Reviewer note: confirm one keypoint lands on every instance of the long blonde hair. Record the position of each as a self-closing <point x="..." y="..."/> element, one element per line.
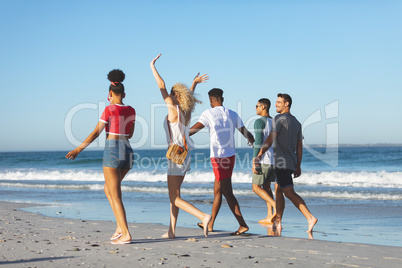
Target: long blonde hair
<point x="185" y="97"/>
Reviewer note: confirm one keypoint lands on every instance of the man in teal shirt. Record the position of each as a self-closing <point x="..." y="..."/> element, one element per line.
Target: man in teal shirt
<point x="263" y="177"/>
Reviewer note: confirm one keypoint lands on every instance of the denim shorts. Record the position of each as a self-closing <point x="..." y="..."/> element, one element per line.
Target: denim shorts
<point x="118" y="154"/>
<point x="179" y="170"/>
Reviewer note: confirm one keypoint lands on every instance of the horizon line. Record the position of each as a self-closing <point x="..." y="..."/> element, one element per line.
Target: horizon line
<point x="310" y="145"/>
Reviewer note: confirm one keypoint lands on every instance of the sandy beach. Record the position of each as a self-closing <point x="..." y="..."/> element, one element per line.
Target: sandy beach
<point x="33" y="240"/>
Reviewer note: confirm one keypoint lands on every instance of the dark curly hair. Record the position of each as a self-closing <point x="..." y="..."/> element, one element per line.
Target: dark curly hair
<point x="116" y="77"/>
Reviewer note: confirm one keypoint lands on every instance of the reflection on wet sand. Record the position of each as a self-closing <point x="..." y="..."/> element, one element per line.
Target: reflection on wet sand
<point x="272" y="231"/>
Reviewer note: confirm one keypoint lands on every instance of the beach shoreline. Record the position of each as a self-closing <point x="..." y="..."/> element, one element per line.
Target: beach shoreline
<point x="33" y="240"/>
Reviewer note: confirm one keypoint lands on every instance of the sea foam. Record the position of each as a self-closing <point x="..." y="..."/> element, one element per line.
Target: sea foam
<point x="378" y="179"/>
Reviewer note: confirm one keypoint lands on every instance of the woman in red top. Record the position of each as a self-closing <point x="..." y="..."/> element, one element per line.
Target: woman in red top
<point x="118" y="119"/>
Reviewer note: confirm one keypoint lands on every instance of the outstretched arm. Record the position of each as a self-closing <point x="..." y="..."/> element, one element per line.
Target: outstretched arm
<point x="247" y="134"/>
<point x="97" y="131"/>
<point x="199" y="79"/>
<point x="197" y="127"/>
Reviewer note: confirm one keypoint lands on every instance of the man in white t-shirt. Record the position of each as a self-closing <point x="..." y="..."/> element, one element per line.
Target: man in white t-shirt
<point x="222" y="123"/>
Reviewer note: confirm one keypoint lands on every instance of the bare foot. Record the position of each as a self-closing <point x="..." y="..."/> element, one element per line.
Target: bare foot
<point x="273" y="218"/>
<point x="201" y="225"/>
<point x="278" y="232"/>
<point x="265" y="221"/>
<point x="310" y="235"/>
<point x="205" y="223"/>
<point x="311" y="224"/>
<point x="210" y="228"/>
<point x="168" y="236"/>
<point x="242" y="229"/>
<point x="269" y="219"/>
<point x="277" y="226"/>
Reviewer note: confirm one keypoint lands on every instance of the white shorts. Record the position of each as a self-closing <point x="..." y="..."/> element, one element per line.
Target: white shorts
<point x="179" y="170"/>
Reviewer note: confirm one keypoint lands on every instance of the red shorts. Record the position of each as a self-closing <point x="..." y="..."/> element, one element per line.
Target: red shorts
<point x="223" y="167"/>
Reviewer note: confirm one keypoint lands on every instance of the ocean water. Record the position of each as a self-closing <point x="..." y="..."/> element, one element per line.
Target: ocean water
<point x="355" y="192"/>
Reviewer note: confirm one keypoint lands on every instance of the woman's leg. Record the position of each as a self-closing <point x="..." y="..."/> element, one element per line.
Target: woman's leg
<point x="174" y="184"/>
<point x="174" y="210"/>
<point x="118" y="231"/>
<point x="113" y="178"/>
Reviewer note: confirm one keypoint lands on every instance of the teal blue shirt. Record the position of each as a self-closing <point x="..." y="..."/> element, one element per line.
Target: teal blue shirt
<point x="259" y="126"/>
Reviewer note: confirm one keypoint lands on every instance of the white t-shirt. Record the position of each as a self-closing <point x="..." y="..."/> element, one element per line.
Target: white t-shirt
<point x="268" y="156"/>
<point x="221" y="123"/>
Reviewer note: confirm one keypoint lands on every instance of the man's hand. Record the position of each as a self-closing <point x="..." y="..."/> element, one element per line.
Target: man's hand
<point x="297" y="172"/>
<point x="256" y="167"/>
<point x="250" y="141"/>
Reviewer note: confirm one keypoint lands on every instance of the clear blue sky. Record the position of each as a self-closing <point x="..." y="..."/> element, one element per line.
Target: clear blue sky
<point x="55" y="55"/>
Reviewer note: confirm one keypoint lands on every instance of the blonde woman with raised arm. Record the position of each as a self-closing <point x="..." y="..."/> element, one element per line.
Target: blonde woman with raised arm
<point x="180" y="103"/>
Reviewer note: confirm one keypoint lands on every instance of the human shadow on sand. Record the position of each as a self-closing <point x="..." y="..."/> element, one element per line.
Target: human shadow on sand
<point x="35" y="260"/>
<point x="190" y="238"/>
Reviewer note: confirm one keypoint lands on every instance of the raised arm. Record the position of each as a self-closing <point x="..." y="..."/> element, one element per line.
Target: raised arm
<point x="199" y="79"/>
<point x="247" y="134"/>
<point x="165" y="95"/>
<point x="159" y="80"/>
<point x="97" y="131"/>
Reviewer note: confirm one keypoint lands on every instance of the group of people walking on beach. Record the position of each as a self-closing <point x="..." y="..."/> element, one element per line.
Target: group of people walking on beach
<point x="277" y="153"/>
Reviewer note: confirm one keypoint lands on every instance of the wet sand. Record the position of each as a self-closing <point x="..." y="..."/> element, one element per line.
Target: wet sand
<point x="33" y="240"/>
